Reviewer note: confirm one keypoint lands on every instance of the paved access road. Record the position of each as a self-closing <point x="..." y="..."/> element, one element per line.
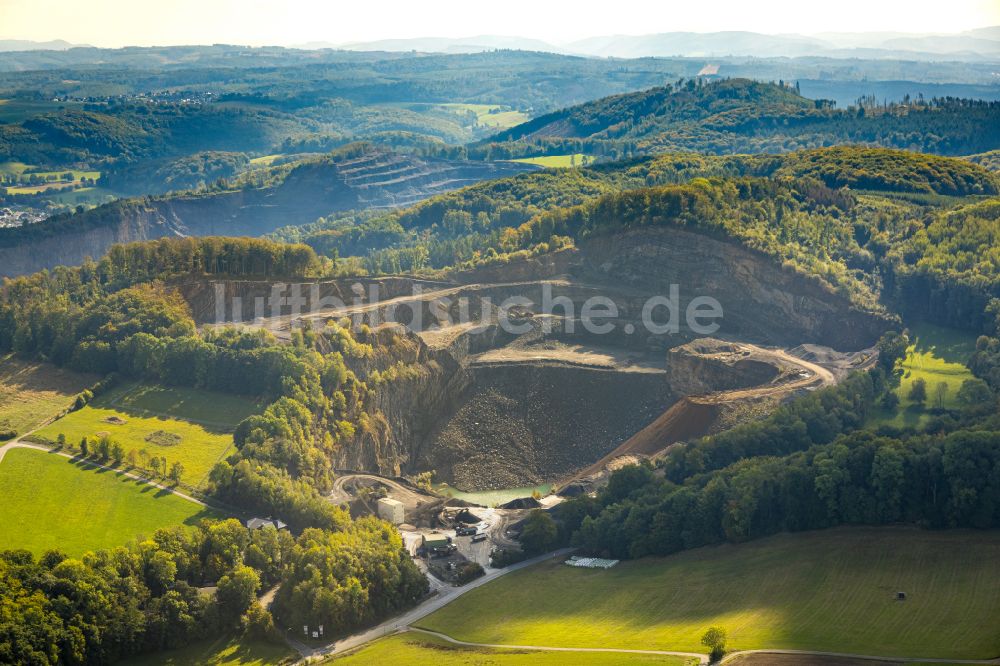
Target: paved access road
<point x="444" y="596"/>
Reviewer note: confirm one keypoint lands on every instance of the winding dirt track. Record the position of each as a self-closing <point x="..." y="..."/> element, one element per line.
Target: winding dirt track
<point x="702" y="659"/>
<point x="692" y="416"/>
<point x="338" y="495"/>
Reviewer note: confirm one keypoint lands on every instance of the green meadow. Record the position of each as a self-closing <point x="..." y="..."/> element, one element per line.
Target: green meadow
<point x="183" y="425"/>
<point x="52" y="502"/>
<point x="833" y="590"/>
<point x="32" y="392"/>
<point x="938" y="356"/>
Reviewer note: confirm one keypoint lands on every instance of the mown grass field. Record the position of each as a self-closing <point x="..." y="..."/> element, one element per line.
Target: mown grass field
<point x="937" y="355"/>
<point x="137" y="415"/>
<point x="51" y="502"/>
<point x="32" y="392"/>
<point x="832" y="590"/>
<point x="416" y="649"/>
<point x="558" y="161"/>
<point x="225" y="651"/>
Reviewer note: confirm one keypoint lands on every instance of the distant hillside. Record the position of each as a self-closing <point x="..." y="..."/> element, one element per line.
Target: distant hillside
<point x="740" y="115"/>
<point x="354" y="178"/>
<point x="839" y="213"/>
<point x="139" y="131"/>
<point x="28" y="45"/>
<point x="982" y="43"/>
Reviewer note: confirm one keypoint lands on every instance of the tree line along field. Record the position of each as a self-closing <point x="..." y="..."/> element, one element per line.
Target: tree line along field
<point x="418" y="649"/>
<point x="833" y="590"/>
<point x="53" y="502"/>
<point x="187" y="426"/>
<point x="32" y="392"/>
<point x="938" y="356"/>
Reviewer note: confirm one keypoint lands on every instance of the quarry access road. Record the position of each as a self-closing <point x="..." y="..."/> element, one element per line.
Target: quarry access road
<point x="819" y="377"/>
<point x="281" y="325"/>
<point x="691" y="416"/>
<point x="702" y="659"/>
<point x="401" y="622"/>
<point x="338" y="495"/>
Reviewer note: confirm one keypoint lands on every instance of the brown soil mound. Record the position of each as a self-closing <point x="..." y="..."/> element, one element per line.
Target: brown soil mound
<point x="687" y="419"/>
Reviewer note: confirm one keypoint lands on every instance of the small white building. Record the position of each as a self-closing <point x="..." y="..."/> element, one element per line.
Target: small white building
<point x="391" y="510"/>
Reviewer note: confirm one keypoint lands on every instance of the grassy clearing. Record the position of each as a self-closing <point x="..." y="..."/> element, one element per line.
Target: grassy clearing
<point x="415" y="649"/>
<point x="226" y="651"/>
<point x="15" y="168"/>
<point x="489" y="115"/>
<point x="206" y="407"/>
<point x="265" y="160"/>
<point x="832" y="590"/>
<point x="937" y="355"/>
<point x="558" y="161"/>
<point x="188" y="426"/>
<point x="85" y="195"/>
<point x="51" y="502"/>
<point x="32" y="392"/>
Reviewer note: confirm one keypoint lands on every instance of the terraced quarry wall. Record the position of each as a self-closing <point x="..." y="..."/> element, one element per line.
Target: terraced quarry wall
<point x="373" y="180"/>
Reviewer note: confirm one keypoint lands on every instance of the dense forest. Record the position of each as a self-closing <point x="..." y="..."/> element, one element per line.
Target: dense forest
<point x="145" y="597"/>
<point x="125" y="133"/>
<point x="744" y="116"/>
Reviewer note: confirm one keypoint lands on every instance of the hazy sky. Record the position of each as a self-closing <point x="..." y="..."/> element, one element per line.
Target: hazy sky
<point x="283" y="22"/>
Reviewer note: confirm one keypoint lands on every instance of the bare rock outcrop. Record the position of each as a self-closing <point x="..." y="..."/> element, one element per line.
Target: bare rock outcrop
<point x="375" y="179"/>
<point x="761" y="300"/>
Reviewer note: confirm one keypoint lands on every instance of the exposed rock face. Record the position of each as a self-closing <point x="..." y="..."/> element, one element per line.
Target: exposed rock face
<point x="707" y="365"/>
<point x="374" y="180"/>
<point x="760" y="300"/>
<point x="524" y="423"/>
<point x="494" y="409"/>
